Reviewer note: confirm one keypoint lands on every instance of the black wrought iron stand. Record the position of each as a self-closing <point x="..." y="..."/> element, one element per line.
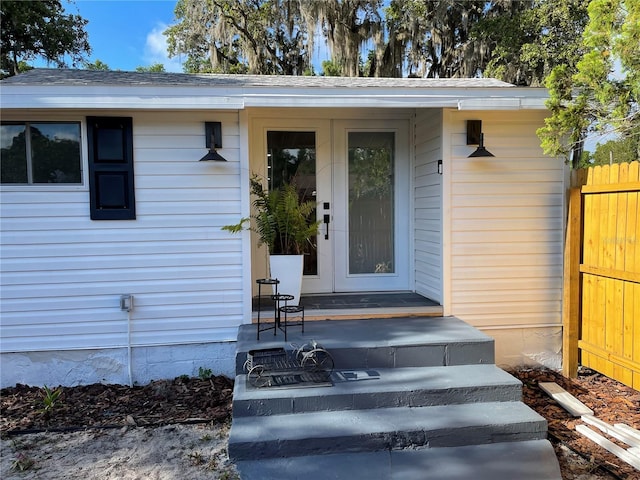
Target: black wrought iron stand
<point x="278" y="309"/>
<point x="261" y="282"/>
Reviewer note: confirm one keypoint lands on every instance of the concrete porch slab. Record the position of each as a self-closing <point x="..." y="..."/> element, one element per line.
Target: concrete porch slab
<point x="381" y="343"/>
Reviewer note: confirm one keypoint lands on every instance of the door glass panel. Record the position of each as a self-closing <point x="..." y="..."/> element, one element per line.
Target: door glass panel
<point x="291" y="157"/>
<point x="371" y="202"/>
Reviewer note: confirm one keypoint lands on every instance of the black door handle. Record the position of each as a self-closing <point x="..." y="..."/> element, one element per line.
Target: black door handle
<point x="327" y="220"/>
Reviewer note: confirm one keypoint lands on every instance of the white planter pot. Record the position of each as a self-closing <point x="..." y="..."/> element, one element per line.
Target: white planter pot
<point x="288" y="270"/>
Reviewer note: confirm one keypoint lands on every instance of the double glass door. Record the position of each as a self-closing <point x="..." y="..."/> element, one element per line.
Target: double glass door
<point x="357" y="174"/>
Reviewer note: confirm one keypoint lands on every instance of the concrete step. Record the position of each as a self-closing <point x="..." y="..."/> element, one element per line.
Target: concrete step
<point x="382" y="388"/>
<point x="526" y="460"/>
<point x="381" y="343"/>
<point x="319" y="433"/>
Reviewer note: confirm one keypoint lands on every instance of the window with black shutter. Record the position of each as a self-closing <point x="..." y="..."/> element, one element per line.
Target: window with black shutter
<point x="111" y="184"/>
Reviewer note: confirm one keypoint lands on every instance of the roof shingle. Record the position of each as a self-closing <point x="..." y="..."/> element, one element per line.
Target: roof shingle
<point x="68" y="77"/>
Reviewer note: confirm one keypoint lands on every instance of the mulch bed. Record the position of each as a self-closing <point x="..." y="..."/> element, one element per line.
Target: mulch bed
<point x="610" y="401"/>
<point x="182" y="400"/>
<point x="194" y="400"/>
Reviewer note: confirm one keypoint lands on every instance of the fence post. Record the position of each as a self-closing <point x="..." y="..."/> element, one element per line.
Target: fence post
<point x="571" y="291"/>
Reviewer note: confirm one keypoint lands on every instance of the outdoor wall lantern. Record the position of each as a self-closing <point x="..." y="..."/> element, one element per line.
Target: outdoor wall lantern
<point x="213" y="140"/>
<point x="476" y="137"/>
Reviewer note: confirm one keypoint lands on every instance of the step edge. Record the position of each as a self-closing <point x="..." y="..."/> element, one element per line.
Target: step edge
<point x="445" y="437"/>
<point x="526" y="415"/>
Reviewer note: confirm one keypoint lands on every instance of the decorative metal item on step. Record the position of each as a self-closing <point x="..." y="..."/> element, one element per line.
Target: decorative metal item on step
<point x="307" y="366"/>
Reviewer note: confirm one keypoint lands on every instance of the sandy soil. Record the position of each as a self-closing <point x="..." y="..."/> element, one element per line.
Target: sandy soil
<point x="171" y="452"/>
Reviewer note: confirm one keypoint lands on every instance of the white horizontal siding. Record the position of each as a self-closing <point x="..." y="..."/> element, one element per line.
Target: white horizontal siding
<point x="63" y="274"/>
<point x="507" y="218"/>
<point x="428" y="204"/>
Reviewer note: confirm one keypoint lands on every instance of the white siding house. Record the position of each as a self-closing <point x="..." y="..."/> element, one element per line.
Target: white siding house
<point x="483" y="236"/>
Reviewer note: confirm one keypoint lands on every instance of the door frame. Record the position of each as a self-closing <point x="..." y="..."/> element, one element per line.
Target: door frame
<point x="325" y="128"/>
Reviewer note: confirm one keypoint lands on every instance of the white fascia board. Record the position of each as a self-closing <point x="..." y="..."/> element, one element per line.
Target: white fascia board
<point x="238" y="98"/>
<point x="525" y="98"/>
<point x="461" y="98"/>
<point x="117" y="98"/>
<point x="490" y="103"/>
<point x="502" y="104"/>
<point x="347" y="101"/>
<point x="534" y="103"/>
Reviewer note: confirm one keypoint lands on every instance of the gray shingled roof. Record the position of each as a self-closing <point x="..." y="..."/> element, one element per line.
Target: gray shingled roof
<point x="65" y="77"/>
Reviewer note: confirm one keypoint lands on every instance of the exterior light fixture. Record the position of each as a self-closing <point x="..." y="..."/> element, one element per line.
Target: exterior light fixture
<point x="481" y="151"/>
<point x="476" y="137"/>
<point x="213" y="140"/>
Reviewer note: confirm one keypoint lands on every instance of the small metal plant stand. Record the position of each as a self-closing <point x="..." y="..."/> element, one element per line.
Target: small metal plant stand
<point x="268" y="282"/>
<point x="288" y="310"/>
<point x="276" y="367"/>
<point x="278" y="309"/>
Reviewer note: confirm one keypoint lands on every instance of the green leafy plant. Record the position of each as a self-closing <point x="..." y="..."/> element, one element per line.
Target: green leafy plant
<point x="282" y="221"/>
<point x="50" y="398"/>
<point x="204" y="373"/>
<point x="22" y="463"/>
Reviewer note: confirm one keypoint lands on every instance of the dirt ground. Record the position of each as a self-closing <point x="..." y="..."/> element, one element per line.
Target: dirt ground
<point x="179" y="429"/>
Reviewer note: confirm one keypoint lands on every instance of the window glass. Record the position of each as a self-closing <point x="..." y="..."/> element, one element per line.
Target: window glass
<point x="55" y="152"/>
<point x="371" y="208"/>
<point x="13" y="156"/>
<point x="291" y="158"/>
<point x="41" y="153"/>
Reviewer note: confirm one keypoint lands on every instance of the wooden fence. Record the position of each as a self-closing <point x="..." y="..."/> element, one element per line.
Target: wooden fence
<point x="602" y="273"/>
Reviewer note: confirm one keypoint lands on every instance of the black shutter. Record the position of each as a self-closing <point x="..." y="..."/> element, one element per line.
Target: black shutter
<point x="111" y="187"/>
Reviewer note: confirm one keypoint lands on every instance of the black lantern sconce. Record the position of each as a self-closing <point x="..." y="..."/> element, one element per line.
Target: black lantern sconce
<point x="476" y="137"/>
<point x="213" y="140"/>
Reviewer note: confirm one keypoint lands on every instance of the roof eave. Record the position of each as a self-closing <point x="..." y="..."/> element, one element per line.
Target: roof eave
<point x="238" y="98"/>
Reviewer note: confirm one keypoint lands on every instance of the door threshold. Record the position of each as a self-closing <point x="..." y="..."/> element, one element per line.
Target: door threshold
<point x="366" y="313"/>
<point x="360" y="305"/>
<point x="360" y="314"/>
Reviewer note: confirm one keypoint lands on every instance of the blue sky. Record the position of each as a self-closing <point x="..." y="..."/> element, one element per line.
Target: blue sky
<point x="126" y="34"/>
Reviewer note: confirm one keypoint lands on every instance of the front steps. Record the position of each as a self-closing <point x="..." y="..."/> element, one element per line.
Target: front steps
<point x="412" y="398"/>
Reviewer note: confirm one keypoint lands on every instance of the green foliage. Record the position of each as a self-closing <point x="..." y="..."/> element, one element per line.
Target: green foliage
<point x="156" y="68"/>
<point x="227" y="36"/>
<point x="22" y="463"/>
<point x="50" y="398"/>
<point x="330" y="69"/>
<point x="531" y="38"/>
<point x="204" y="373"/>
<point x="601" y="95"/>
<point x="283" y="223"/>
<point x="40" y="29"/>
<point x="617" y="151"/>
<point x="98" y="65"/>
<point x="517" y="41"/>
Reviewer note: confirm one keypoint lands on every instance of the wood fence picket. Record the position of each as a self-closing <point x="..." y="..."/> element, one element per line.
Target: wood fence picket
<point x="602" y="273"/>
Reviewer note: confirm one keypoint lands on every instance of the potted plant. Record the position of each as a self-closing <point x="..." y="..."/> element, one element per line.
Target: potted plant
<point x="284" y="223"/>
